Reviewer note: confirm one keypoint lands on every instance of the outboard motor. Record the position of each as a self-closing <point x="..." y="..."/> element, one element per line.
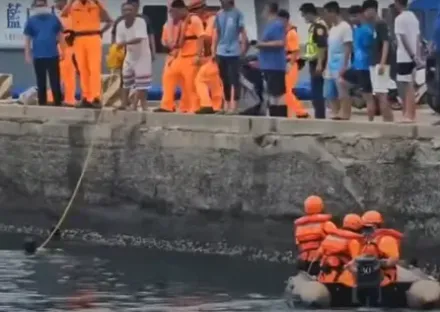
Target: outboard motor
<point x="367" y="291"/>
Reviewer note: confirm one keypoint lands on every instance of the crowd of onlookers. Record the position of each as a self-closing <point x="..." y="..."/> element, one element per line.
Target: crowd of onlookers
<point x="342" y="55"/>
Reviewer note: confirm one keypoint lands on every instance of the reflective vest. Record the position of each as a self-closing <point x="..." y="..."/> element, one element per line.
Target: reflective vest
<point x="371" y="248"/>
<point x="309" y="233"/>
<point x="311" y="46"/>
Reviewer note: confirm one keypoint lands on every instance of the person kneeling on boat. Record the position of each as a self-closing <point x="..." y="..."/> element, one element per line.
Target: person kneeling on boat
<point x="309" y="233"/>
<point x="338" y="249"/>
<point x="384" y="244"/>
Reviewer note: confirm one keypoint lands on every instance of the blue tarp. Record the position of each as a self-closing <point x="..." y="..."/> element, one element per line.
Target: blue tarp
<point x="302" y="91"/>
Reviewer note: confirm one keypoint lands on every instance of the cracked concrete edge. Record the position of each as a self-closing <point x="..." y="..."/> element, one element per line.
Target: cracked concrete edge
<point x="209" y="123"/>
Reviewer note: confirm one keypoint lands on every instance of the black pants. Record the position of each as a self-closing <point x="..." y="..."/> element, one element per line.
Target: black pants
<point x="437" y="79"/>
<point x="317" y="86"/>
<point x="51" y="67"/>
<point x="229" y="67"/>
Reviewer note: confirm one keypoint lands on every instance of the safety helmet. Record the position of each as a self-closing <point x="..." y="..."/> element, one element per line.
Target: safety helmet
<point x="313" y="205"/>
<point x="372" y="217"/>
<point x="352" y="221"/>
<point x="329" y="226"/>
<point x="194" y="5"/>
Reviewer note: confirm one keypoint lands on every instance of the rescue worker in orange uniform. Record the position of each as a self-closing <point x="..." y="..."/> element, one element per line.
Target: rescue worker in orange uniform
<point x="185" y="59"/>
<point x="67" y="64"/>
<point x="294" y="106"/>
<point x="170" y="33"/>
<point x="309" y="233"/>
<point x="208" y="83"/>
<point x="86" y="17"/>
<point x="338" y="249"/>
<point x="384" y="244"/>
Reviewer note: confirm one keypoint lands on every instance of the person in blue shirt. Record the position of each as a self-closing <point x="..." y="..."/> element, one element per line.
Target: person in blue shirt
<point x="359" y="73"/>
<point x="231" y="44"/>
<point x="43" y="32"/>
<point x="272" y="59"/>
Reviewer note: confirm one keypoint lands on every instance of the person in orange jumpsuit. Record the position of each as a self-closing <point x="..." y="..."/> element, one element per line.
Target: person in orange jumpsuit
<point x="67" y="65"/>
<point x="294" y="106"/>
<point x="309" y="233"/>
<point x="86" y="17"/>
<point x="208" y="83"/>
<point x="384" y="244"/>
<point x="170" y="33"/>
<point x="185" y="60"/>
<point x="338" y="249"/>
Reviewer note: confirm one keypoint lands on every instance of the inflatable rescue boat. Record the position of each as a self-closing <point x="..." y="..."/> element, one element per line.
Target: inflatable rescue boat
<point x="414" y="289"/>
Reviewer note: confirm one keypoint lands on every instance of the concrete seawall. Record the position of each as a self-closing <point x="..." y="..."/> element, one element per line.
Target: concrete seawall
<point x="213" y="180"/>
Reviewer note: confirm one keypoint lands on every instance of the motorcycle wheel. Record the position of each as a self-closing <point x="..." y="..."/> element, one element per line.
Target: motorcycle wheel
<point x="431" y="101"/>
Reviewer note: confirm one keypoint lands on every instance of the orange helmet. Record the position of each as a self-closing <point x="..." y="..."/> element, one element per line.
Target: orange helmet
<point x="329" y="226"/>
<point x="372" y="217"/>
<point x="313" y="205"/>
<point x="352" y="222"/>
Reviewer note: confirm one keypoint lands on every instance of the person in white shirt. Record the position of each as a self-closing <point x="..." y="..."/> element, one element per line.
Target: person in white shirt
<point x="131" y="33"/>
<point x="407" y="29"/>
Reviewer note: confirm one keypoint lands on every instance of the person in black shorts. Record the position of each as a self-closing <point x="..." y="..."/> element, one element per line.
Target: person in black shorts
<point x="359" y="73"/>
<point x="272" y="60"/>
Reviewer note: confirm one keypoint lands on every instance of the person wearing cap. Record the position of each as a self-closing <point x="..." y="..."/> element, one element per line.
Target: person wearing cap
<point x="382" y="243"/>
<point x="209" y="86"/>
<point x="316" y="55"/>
<point x="87" y="17"/>
<point x="338" y="249"/>
<point x="185" y="59"/>
<point x="309" y="232"/>
<point x="294" y="106"/>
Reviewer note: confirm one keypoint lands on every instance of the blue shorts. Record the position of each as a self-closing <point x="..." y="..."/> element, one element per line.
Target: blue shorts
<point x="331" y="89"/>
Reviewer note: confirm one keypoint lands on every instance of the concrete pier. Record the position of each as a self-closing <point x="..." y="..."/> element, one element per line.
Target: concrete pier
<point x="213" y="181"/>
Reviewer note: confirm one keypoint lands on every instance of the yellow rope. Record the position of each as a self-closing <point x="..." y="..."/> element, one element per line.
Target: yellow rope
<point x="81" y="177"/>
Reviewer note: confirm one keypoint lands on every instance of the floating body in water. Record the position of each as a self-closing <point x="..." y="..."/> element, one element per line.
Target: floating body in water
<point x="413" y="289"/>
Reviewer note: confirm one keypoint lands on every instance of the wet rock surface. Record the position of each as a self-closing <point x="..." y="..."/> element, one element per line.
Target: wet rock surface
<point x="213" y="180"/>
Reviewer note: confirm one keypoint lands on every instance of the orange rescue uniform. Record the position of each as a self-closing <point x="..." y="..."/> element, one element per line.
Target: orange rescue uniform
<point x="384" y="244"/>
<point x="87" y="46"/>
<point x="294" y="106"/>
<point x="309" y="233"/>
<point x="67" y="66"/>
<point x="182" y="67"/>
<point x="208" y="83"/>
<point x="168" y="83"/>
<point x="338" y="249"/>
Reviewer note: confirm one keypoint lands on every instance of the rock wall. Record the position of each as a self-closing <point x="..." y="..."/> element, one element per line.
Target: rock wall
<point x="213" y="181"/>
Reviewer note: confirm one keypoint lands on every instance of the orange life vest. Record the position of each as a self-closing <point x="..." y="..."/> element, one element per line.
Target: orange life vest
<point x="207" y="42"/>
<point x="309" y="233"/>
<point x="335" y="248"/>
<point x="371" y="248"/>
<point x="181" y="35"/>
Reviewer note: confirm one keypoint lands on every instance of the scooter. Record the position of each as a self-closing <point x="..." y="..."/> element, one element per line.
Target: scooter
<point x="431" y="82"/>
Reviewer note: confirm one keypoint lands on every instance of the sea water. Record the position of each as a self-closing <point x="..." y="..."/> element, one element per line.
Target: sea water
<point x="84" y="277"/>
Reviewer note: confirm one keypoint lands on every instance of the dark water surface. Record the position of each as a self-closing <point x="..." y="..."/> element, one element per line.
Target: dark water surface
<point x="94" y="278"/>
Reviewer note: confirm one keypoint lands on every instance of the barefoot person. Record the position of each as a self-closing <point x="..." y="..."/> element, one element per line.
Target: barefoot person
<point x="132" y="34"/>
